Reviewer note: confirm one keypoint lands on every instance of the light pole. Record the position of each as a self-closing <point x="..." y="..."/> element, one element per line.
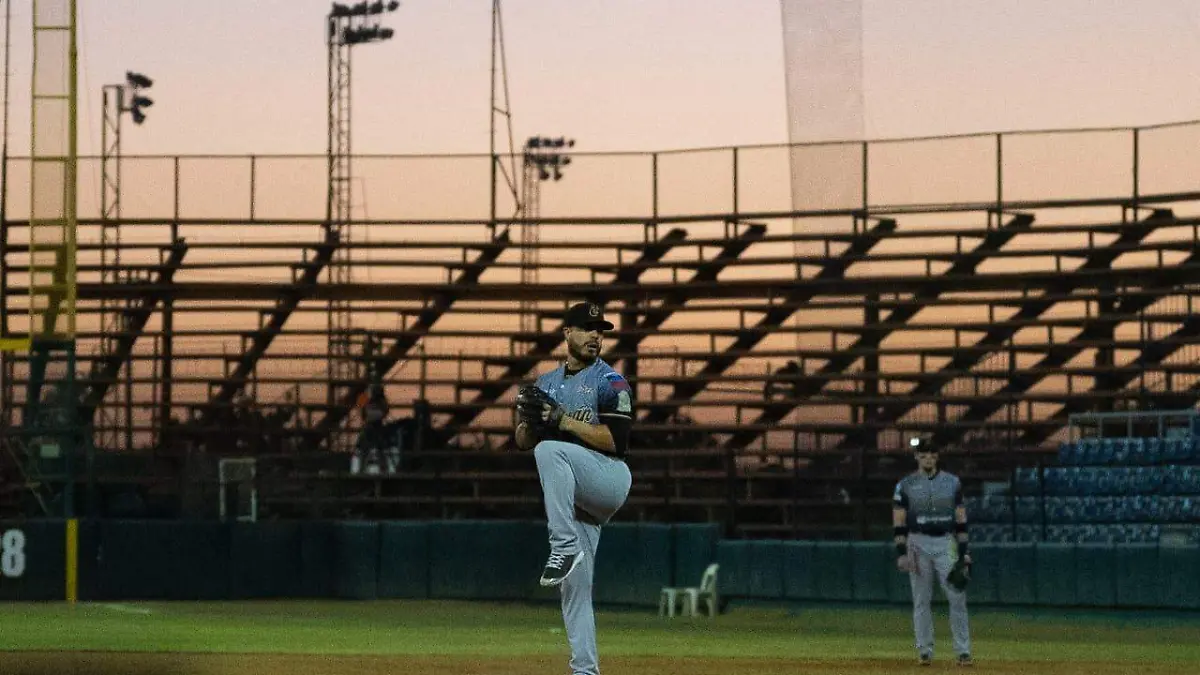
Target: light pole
<point x="346" y="26"/>
<point x="117" y="100"/>
<point x="543" y="159"/>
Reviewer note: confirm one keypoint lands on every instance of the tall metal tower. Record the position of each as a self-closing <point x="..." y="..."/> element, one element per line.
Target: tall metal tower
<point x="543" y="159"/>
<point x="117" y="99"/>
<point x="6" y="363"/>
<point x="501" y="109"/>
<point x="50" y="415"/>
<point x="346" y="26"/>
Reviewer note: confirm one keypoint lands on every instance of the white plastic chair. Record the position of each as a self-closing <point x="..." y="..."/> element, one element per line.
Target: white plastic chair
<point x="692" y="596"/>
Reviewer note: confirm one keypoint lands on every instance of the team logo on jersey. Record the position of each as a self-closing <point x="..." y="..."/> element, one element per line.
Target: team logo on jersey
<point x="623" y="403"/>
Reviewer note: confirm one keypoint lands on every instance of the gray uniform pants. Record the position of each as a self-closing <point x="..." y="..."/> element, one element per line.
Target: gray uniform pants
<point x="582" y="489"/>
<point x="935" y="556"/>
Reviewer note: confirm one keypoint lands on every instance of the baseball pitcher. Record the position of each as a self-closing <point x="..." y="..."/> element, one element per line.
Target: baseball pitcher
<point x="930" y="527"/>
<point x="577" y="419"/>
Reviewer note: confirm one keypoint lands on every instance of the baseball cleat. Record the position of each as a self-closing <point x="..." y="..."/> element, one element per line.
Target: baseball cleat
<point x="965" y="660"/>
<point x="925" y="659"/>
<point x="559" y="567"/>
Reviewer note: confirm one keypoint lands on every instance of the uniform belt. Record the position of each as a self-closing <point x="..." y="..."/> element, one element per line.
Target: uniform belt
<point x="932" y="531"/>
<point x="611" y="455"/>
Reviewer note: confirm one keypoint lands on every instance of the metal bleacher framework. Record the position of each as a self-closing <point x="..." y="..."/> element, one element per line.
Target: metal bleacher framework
<point x="779" y="355"/>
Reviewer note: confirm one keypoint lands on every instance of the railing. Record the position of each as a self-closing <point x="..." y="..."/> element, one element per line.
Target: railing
<point x="881" y="175"/>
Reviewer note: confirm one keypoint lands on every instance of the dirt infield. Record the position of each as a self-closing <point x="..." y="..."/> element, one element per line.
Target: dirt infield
<point x="132" y="663"/>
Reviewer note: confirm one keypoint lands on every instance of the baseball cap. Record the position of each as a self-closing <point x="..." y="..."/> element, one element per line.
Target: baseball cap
<point x="586" y="315"/>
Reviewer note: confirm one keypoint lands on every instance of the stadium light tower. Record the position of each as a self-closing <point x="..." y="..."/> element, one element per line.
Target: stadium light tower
<point x="543" y="159"/>
<point x="117" y="100"/>
<point x="347" y="26"/>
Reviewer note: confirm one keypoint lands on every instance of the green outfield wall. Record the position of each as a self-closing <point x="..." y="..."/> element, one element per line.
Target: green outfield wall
<point x="478" y="560"/>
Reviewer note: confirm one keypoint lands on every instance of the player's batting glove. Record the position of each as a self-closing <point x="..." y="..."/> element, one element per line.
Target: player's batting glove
<point x="532" y="404"/>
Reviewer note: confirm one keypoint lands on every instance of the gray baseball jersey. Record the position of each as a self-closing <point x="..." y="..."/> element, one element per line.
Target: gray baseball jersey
<point x="929" y="503"/>
<point x="588" y="395"/>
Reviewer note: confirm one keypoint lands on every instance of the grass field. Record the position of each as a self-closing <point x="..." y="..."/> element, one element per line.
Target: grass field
<point x="418" y="637"/>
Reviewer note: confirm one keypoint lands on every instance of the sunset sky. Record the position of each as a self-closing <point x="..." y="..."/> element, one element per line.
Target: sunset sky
<point x="241" y="76"/>
<point x="244" y="77"/>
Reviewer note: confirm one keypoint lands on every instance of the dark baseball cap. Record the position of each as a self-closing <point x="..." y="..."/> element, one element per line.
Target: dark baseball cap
<point x="586" y="315"/>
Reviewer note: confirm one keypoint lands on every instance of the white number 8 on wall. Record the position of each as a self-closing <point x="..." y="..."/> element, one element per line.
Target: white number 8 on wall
<point x="12" y="553"/>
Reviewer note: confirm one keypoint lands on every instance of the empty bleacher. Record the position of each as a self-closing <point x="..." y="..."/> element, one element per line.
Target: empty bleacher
<point x="1102" y="490"/>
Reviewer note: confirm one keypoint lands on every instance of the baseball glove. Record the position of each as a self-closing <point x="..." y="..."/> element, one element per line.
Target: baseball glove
<point x="960" y="575"/>
<point x="531" y="409"/>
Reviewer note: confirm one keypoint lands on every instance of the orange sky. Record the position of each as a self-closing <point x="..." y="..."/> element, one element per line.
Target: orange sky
<point x="239" y="77"/>
<point x="249" y="77"/>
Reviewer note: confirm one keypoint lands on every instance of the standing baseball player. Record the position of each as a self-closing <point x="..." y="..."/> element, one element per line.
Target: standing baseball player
<point x="930" y="525"/>
<point x="577" y="419"/>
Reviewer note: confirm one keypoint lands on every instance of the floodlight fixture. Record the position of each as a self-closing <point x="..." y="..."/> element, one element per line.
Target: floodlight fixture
<point x="135" y="108"/>
<point x="138" y="80"/>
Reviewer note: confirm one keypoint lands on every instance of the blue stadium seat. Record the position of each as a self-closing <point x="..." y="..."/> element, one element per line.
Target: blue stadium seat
<point x="1028" y="533"/>
<point x="1066" y="453"/>
<point x="1121" y="481"/>
<point x="1173" y="449"/>
<point x="1146" y="480"/>
<point x="1138" y="509"/>
<point x="992" y="534"/>
<point x="1103" y="509"/>
<point x="1113" y="452"/>
<point x="1060" y="534"/>
<point x="1057" y="481"/>
<point x="1152" y="454"/>
<point x="1027" y="484"/>
<point x="1189" y="481"/>
<point x="1060" y="510"/>
<point x="1189" y="509"/>
<point x="1144" y="533"/>
<point x="1083" y="452"/>
<point x="1179" y="480"/>
<point x="1029" y="509"/>
<point x="1127" y="452"/>
<point x="1000" y="509"/>
<point x="1091" y="534"/>
<point x="1170" y="510"/>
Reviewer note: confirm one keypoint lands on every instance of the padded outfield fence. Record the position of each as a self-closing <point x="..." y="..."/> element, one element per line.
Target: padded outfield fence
<point x="469" y="560"/>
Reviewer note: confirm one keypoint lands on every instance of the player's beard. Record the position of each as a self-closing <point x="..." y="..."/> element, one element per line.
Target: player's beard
<point x="581" y="355"/>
